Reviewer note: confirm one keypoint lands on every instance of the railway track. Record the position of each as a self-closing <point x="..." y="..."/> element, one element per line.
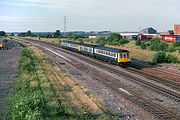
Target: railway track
<point x="169" y="83"/>
<point x="134" y="97"/>
<point x="173" y="95"/>
<point x="58" y="100"/>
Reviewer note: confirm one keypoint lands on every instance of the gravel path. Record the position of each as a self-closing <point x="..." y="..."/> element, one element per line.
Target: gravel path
<point x="8" y="73"/>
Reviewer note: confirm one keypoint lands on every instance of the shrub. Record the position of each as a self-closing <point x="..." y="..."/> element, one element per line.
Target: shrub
<point x="171" y="59"/>
<point x="101" y="41"/>
<point x="138" y="42"/>
<point x="158" y="45"/>
<point x="159" y="57"/>
<point x="176" y="44"/>
<point x="171" y="49"/>
<point x="143" y="45"/>
<point x="123" y="41"/>
<point x="179" y="50"/>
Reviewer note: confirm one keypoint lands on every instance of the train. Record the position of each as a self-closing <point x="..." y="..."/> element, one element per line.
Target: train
<point x="112" y="55"/>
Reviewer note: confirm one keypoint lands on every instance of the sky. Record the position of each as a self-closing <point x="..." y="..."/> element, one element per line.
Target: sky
<point x="88" y="15"/>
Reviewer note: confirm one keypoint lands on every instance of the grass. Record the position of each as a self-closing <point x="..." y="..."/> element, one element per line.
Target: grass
<point x="51" y="40"/>
<point x="44" y="92"/>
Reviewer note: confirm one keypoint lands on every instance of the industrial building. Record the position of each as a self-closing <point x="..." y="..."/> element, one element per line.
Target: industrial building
<point x="148" y="30"/>
<point x="130" y="35"/>
<point x="177" y="29"/>
<point x="101" y="34"/>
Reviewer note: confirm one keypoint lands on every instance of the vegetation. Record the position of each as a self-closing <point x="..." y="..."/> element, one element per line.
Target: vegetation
<point x="57" y="34"/>
<point x="143" y="45"/>
<point x="157" y="45"/>
<point x="27" y="103"/>
<point x="113" y="39"/>
<point x="43" y="94"/>
<point x="2" y="33"/>
<point x="171" y="49"/>
<point x="162" y="57"/>
<point x="138" y="42"/>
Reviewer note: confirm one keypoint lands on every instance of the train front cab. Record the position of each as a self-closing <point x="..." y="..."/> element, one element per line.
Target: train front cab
<point x="123" y="58"/>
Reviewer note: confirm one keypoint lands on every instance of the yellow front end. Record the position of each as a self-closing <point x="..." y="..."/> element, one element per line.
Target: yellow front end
<point x="79" y="48"/>
<point x="123" y="57"/>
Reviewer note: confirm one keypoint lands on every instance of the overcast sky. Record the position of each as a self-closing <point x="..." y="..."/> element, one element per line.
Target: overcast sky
<point x="87" y="15"/>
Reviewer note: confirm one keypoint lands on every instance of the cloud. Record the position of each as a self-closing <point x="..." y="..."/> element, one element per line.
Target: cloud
<point x="92" y="14"/>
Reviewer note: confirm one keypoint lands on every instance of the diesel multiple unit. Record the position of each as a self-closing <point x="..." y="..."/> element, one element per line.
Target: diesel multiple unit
<point x="113" y="55"/>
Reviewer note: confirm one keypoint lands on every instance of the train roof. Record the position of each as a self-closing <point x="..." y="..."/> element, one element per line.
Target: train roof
<point x="111" y="49"/>
<point x="97" y="46"/>
<point x="71" y="42"/>
<point x="89" y="45"/>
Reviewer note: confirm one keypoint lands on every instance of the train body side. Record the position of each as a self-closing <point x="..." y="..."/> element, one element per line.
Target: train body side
<point x="87" y="49"/>
<point x="113" y="55"/>
<point x="107" y="54"/>
<point x="72" y="46"/>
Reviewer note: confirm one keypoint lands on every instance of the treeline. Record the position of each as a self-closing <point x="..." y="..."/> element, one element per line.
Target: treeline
<point x="56" y="34"/>
<point x="2" y="33"/>
<point x="113" y="39"/>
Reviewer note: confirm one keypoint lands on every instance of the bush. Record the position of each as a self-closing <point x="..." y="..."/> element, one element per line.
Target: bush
<point x="101" y="41"/>
<point x="123" y="41"/>
<point x="176" y="44"/>
<point x="179" y="50"/>
<point x="171" y="59"/>
<point x="159" y="57"/>
<point x="171" y="49"/>
<point x="114" y="39"/>
<point x="158" y="45"/>
<point x="143" y="45"/>
<point x="138" y="42"/>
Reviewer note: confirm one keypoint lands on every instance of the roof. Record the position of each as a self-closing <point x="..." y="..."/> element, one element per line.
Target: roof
<point x="89" y="45"/>
<point x="129" y="34"/>
<point x="111" y="49"/>
<point x="71" y="42"/>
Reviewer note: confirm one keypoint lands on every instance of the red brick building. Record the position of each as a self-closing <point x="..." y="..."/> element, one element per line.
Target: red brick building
<point x="177" y="29"/>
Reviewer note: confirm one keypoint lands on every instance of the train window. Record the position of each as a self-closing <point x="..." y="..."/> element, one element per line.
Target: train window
<point x="125" y="56"/>
<point x="120" y="55"/>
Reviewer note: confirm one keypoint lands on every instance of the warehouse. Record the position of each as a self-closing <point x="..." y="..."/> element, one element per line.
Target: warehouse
<point x="130" y="35"/>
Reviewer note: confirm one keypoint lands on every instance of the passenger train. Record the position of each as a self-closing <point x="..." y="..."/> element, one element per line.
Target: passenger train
<point x="112" y="55"/>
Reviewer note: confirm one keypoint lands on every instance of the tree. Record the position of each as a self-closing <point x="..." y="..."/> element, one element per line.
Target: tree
<point x="57" y="34"/>
<point x="22" y="34"/>
<point x="2" y="33"/>
<point x="12" y="34"/>
<point x="114" y="36"/>
<point x="28" y="33"/>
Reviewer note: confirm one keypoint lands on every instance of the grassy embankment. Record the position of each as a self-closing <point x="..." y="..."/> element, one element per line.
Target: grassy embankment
<point x="44" y="91"/>
<point x="51" y="40"/>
